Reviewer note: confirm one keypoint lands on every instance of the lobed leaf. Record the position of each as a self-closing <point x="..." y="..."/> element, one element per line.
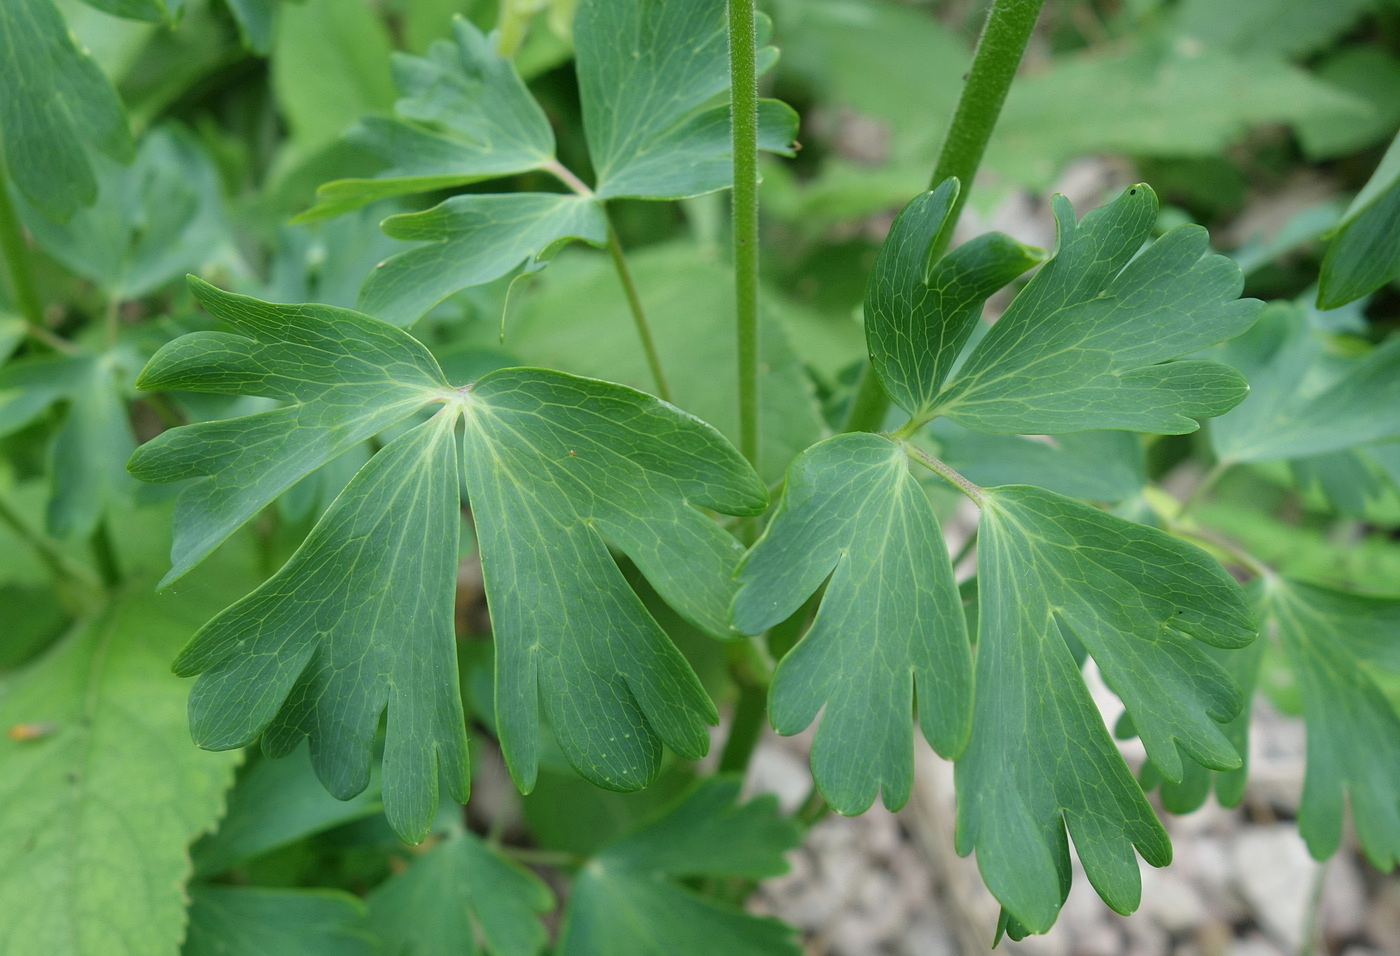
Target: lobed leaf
<point x="627" y="899"/>
<point x="1081" y="346"/>
<point x="1365" y="250"/>
<point x="890" y="626"/>
<point x="1040" y="760"/>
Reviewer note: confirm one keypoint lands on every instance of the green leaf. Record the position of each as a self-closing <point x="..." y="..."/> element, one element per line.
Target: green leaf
<point x="470" y="240"/>
<point x="1083" y="345"/>
<point x="890" y="626"/>
<point x="254" y="18"/>
<point x="563" y="463"/>
<point x="649" y="77"/>
<point x="152" y="11"/>
<point x="464" y="115"/>
<point x="1100" y="466"/>
<point x="358" y="622"/>
<point x="329" y="66"/>
<point x="919" y="312"/>
<point x="154" y="220"/>
<point x="1040" y="759"/>
<point x="1303" y="401"/>
<point x="78" y="834"/>
<point x="254" y="921"/>
<point x="87" y="451"/>
<point x="1333" y="640"/>
<point x="459" y="892"/>
<point x="627" y="899"/>
<point x="345" y="377"/>
<point x="56" y="102"/>
<point x="1365" y="250"/>
<point x="573" y="465"/>
<point x="1267" y="26"/>
<point x="274" y="803"/>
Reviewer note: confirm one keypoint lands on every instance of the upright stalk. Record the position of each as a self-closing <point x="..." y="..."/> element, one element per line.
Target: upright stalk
<point x="743" y="78"/>
<point x="998" y="54"/>
<point x="17" y="259"/>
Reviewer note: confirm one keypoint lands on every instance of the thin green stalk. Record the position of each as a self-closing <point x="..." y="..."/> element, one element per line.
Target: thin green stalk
<point x="749" y="714"/>
<point x="105" y="553"/>
<point x="63" y="569"/>
<point x="943" y="471"/>
<point x="1198" y="493"/>
<point x="533" y="857"/>
<point x="743" y="78"/>
<point x="813" y="810"/>
<point x="639" y="317"/>
<point x="998" y="54"/>
<point x="16" y="254"/>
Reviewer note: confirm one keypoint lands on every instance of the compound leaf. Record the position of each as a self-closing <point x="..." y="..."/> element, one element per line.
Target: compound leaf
<point x="56" y="103"/>
<point x="1303" y="401"/>
<point x="919" y="312"/>
<point x="570" y="465"/>
<point x="460" y="891"/>
<point x="464" y="115"/>
<point x="1040" y="759"/>
<point x="76" y="831"/>
<point x="1333" y="639"/>
<point x="1365" y="250"/>
<point x="649" y="78"/>
<point x="1082" y="345"/>
<point x="258" y="921"/>
<point x="1105" y="466"/>
<point x="470" y="240"/>
<point x="627" y="899"/>
<point x="890" y="627"/>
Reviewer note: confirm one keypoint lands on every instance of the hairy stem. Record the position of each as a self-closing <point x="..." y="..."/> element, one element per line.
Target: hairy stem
<point x="16" y="255"/>
<point x="943" y="471"/>
<point x="743" y="78"/>
<point x="998" y="54"/>
<point x="639" y="317"/>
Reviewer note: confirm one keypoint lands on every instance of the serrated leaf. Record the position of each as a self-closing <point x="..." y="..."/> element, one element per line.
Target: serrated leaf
<point x="458" y="892"/>
<point x="890" y="627"/>
<point x="87" y="450"/>
<point x="56" y="102"/>
<point x="1303" y="401"/>
<point x="1104" y="466"/>
<point x="361" y="616"/>
<point x="627" y="898"/>
<point x="1332" y="639"/>
<point x="1081" y="346"/>
<point x="154" y="220"/>
<point x="75" y="832"/>
<point x="649" y="76"/>
<point x="470" y="240"/>
<point x="464" y="115"/>
<point x="1365" y="250"/>
<point x="258" y="921"/>
<point x="1040" y="759"/>
<point x="920" y="312"/>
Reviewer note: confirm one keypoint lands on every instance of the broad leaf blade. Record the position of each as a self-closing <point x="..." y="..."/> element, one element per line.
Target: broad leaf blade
<point x="1040" y="759"/>
<point x="56" y="103"/>
<point x="1104" y="466"/>
<point x="918" y="312"/>
<point x="891" y="624"/>
<point x="627" y="900"/>
<point x="1080" y="346"/>
<point x="649" y="75"/>
<point x="1332" y="638"/>
<point x="257" y="921"/>
<point x="573" y="464"/>
<point x="345" y="376"/>
<point x="470" y="240"/>
<point x="457" y="892"/>
<point x="358" y="622"/>
<point x="464" y="115"/>
<point x="1365" y="250"/>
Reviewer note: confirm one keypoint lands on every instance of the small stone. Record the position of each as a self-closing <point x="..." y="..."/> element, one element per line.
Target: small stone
<point x="1275" y="875"/>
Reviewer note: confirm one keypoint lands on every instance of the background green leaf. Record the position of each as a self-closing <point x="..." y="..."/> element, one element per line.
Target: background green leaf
<point x="1365" y="250"/>
<point x="254" y="921"/>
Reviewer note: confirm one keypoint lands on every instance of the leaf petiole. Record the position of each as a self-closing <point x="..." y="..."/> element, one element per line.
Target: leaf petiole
<point x="943" y="471"/>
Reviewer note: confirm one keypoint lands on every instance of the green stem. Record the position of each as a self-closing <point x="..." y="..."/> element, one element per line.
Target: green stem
<point x="998" y="54"/>
<point x="943" y="471"/>
<point x="62" y="568"/>
<point x="743" y="80"/>
<point x="639" y="317"/>
<point x="966" y="549"/>
<point x="16" y="255"/>
<point x="1198" y="493"/>
<point x="749" y="713"/>
<point x="535" y="857"/>
<point x="105" y="553"/>
<point x="813" y="810"/>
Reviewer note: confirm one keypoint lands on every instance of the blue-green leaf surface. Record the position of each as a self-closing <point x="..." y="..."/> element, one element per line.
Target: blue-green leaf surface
<point x="1040" y="760"/>
<point x="890" y="627"/>
<point x="460" y="891"/>
<point x="1100" y="466"/>
<point x="919" y="312"/>
<point x="1335" y="641"/>
<point x="259" y="921"/>
<point x="1084" y="345"/>
<point x="627" y="898"/>
<point x="1365" y="250"/>
<point x="56" y="103"/>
